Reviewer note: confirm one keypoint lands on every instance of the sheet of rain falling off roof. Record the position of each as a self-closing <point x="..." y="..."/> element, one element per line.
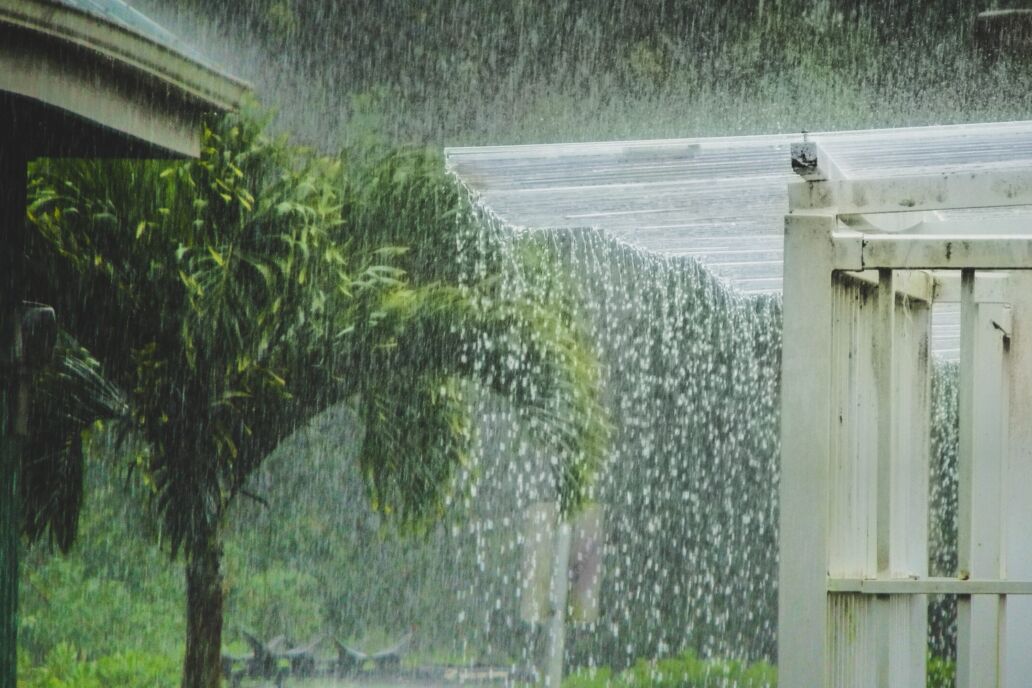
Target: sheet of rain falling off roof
<point x="719" y="200"/>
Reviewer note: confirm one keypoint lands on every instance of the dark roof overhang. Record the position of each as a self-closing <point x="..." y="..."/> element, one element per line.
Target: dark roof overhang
<point x="90" y="83"/>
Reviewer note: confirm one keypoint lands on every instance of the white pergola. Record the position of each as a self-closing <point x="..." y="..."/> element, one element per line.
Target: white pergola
<point x="721" y="200"/>
<point x="867" y="257"/>
<point x="890" y="246"/>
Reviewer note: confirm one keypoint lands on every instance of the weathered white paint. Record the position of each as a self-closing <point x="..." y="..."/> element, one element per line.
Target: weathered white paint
<point x="803" y="615"/>
<point x="941" y="190"/>
<point x="1016" y="556"/>
<point x="990" y="287"/>
<point x="881" y="287"/>
<point x="982" y="252"/>
<point x="930" y="586"/>
<point x="983" y="441"/>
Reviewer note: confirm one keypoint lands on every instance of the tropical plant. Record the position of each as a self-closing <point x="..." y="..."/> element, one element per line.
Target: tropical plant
<point x="65" y="668"/>
<point x="228" y="300"/>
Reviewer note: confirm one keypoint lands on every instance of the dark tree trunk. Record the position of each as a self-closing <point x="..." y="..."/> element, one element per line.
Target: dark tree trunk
<point x="202" y="667"/>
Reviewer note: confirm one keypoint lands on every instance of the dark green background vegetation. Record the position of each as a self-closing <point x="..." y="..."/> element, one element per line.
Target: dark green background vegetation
<point x="529" y="71"/>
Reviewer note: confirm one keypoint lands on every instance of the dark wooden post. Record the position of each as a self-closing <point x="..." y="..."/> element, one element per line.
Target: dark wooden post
<point x="13" y="400"/>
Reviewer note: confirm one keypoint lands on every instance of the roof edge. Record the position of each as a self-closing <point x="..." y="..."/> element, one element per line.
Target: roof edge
<point x="783" y="138"/>
<point x="193" y="79"/>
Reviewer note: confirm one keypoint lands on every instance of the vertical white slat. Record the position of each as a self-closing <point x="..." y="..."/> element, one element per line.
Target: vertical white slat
<point x="854" y="625"/>
<point x="878" y="641"/>
<point x="903" y="383"/>
<point x="1017" y="486"/>
<point x="966" y="677"/>
<point x="908" y="485"/>
<point x="806" y="444"/>
<point x="854" y="641"/>
<point x="982" y="388"/>
<point x="852" y="475"/>
<point x="883" y="344"/>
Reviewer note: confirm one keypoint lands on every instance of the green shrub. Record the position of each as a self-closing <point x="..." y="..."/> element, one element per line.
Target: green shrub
<point x="688" y="671"/>
<point x="684" y="671"/>
<point x="941" y="673"/>
<point x="66" y="667"/>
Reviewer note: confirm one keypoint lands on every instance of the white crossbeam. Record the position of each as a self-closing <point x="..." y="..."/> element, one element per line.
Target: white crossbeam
<point x="989" y="287"/>
<point x="928" y="586"/>
<point x="981" y="188"/>
<point x="985" y="252"/>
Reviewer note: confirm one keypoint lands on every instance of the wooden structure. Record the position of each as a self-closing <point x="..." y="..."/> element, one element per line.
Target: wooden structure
<point x="879" y="232"/>
<point x="866" y="259"/>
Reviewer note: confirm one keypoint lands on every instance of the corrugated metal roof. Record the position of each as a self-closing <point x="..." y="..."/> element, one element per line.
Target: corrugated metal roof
<point x="720" y="200"/>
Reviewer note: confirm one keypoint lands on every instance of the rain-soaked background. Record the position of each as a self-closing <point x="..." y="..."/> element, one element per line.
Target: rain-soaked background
<point x="689" y="370"/>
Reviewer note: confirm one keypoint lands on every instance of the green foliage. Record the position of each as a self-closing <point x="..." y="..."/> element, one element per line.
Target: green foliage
<point x="277" y="599"/>
<point x="70" y="396"/>
<point x="232" y="277"/>
<point x="942" y="673"/>
<point x="66" y="667"/>
<point x="689" y="671"/>
<point x="538" y="358"/>
<point x="261" y="287"/>
<point x="684" y="671"/>
<point x="234" y="297"/>
<point x="114" y="594"/>
<point x="69" y="602"/>
<point x="459" y="71"/>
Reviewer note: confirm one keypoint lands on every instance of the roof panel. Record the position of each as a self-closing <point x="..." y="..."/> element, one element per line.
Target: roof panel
<point x="719" y="200"/>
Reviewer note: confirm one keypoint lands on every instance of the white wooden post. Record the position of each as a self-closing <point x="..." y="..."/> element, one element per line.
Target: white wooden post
<point x="805" y="448"/>
<point x="1017" y="487"/>
<point x="855" y="429"/>
<point x="906" y="638"/>
<point x="980" y="462"/>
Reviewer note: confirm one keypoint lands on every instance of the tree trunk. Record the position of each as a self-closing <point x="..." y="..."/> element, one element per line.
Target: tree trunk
<point x="202" y="667"/>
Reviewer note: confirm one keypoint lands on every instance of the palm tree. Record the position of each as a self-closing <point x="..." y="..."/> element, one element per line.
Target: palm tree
<point x="219" y="304"/>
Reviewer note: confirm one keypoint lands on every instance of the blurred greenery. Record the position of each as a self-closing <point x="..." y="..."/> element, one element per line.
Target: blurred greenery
<point x="684" y="671"/>
<point x="515" y="71"/>
<point x="65" y="667"/>
<point x="689" y="671"/>
<point x="232" y="298"/>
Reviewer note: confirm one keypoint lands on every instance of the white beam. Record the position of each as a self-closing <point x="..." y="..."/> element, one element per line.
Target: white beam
<point x="984" y="188"/>
<point x="989" y="287"/>
<point x="913" y="284"/>
<point x="986" y="252"/>
<point x="930" y="586"/>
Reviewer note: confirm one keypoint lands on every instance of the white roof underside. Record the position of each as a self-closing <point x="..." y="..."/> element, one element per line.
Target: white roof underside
<point x="719" y="200"/>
